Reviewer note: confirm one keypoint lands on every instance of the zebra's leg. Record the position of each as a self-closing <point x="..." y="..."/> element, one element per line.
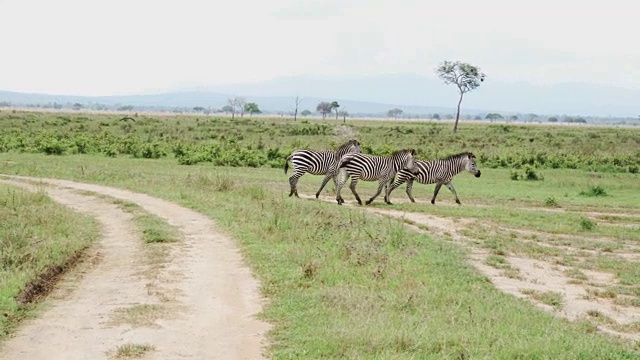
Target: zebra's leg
<point x="387" y="192"/>
<point x="380" y="186"/>
<point x="453" y="191"/>
<point x="339" y="186"/>
<point x="293" y="181"/>
<point x="352" y="186"/>
<point x="325" y="181"/>
<point x="409" y="188"/>
<point x="435" y="192"/>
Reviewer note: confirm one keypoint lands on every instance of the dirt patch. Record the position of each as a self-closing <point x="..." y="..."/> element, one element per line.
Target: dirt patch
<point x="545" y="284"/>
<point x="201" y="304"/>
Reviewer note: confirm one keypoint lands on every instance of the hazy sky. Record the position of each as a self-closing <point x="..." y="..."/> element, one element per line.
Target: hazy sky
<point x="96" y="47"/>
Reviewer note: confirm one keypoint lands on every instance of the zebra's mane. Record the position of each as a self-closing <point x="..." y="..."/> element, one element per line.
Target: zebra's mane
<point x="403" y="150"/>
<point x="347" y="145"/>
<point x="460" y="155"/>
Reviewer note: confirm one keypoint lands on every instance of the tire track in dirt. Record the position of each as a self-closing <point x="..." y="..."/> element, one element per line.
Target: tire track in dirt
<point x="214" y="298"/>
<point x="534" y="274"/>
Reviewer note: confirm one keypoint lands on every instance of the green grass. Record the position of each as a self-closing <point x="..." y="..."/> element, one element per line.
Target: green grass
<point x="37" y="238"/>
<point x="345" y="284"/>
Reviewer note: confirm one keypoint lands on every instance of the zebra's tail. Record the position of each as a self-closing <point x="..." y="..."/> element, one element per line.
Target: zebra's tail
<point x="286" y="164"/>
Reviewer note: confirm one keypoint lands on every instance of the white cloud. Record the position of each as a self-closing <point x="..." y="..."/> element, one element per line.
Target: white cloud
<point x="105" y="47"/>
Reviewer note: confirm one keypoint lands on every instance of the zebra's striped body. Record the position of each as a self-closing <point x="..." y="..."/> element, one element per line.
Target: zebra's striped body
<point x="318" y="163"/>
<point x="439" y="172"/>
<point x="371" y="168"/>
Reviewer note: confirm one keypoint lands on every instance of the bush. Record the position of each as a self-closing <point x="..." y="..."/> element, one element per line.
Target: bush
<point x="529" y="174"/>
<point x="594" y="191"/>
<point x="587" y="224"/>
<point x="551" y="202"/>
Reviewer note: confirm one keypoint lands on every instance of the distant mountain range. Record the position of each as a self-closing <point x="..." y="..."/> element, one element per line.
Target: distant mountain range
<point x="375" y="95"/>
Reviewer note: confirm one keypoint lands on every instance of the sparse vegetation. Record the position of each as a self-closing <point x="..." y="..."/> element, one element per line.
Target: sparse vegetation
<point x="131" y="351"/>
<point x="144" y="315"/>
<point x="550" y="298"/>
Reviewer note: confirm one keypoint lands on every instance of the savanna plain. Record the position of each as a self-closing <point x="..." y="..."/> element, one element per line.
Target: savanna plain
<point x="540" y="261"/>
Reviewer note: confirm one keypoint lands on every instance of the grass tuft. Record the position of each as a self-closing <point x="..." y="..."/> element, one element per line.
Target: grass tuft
<point x="129" y="351"/>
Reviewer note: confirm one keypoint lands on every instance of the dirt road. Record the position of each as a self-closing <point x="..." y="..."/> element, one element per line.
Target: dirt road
<point x="199" y="305"/>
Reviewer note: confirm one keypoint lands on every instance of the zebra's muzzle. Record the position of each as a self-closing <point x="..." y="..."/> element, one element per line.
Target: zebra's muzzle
<point x="478" y="173"/>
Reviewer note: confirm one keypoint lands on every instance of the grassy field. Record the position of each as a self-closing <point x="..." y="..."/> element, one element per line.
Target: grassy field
<point x="343" y="283"/>
<point x="39" y="239"/>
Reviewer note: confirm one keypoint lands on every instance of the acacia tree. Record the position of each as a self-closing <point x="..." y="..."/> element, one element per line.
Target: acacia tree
<point x="394" y="113"/>
<point x="465" y="76"/>
<point x="324" y="108"/>
<point x="334" y="106"/>
<point x="252" y="108"/>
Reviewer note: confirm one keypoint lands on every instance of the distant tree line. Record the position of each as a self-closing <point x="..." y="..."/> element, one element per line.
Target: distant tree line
<point x="239" y="106"/>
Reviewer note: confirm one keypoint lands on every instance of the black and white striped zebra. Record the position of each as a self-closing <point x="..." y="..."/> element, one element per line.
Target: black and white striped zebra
<point x="371" y="168"/>
<point x="439" y="172"/>
<point x="318" y="163"/>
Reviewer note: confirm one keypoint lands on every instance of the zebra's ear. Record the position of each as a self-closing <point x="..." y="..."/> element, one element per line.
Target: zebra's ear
<point x="413" y="151"/>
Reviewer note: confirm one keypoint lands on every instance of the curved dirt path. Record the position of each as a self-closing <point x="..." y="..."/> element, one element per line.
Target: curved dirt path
<point x="201" y="305"/>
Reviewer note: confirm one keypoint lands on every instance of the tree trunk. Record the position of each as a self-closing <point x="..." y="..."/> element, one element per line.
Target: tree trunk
<point x="295" y="115"/>
<point x="455" y="127"/>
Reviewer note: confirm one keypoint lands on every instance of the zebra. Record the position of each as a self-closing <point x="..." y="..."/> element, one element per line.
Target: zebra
<point x="439" y="171"/>
<point x="318" y="163"/>
<point x="371" y="168"/>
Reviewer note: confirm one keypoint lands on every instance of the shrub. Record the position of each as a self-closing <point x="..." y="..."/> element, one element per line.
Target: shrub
<point x="594" y="191"/>
<point x="551" y="202"/>
<point x="587" y="224"/>
<point x="529" y="174"/>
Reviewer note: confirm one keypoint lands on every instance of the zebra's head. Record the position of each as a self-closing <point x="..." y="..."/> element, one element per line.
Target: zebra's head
<point x="354" y="146"/>
<point x="405" y="160"/>
<point x="351" y="146"/>
<point x="470" y="164"/>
